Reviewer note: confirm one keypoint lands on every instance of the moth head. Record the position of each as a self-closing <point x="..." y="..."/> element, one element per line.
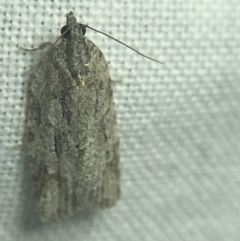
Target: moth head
<point x="68" y="30"/>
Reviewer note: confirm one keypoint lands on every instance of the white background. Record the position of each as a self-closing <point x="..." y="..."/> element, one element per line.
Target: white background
<point x="179" y="122"/>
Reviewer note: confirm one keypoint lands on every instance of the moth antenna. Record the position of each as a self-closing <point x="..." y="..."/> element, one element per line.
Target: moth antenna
<point x="39" y="62"/>
<point x="109" y="36"/>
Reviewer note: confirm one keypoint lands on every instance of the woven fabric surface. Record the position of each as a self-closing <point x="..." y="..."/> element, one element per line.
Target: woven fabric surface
<point x="179" y="123"/>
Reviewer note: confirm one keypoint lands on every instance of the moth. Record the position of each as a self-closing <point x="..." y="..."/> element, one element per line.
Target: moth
<point x="73" y="142"/>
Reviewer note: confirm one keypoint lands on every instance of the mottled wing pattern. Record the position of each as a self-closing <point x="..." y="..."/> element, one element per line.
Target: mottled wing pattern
<point x="72" y="131"/>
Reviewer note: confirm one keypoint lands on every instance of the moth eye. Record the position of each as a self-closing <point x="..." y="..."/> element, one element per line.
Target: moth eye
<point x="83" y="29"/>
<point x="63" y="30"/>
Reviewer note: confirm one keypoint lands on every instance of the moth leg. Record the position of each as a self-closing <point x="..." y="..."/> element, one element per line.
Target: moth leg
<point x="113" y="81"/>
<point x="41" y="46"/>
